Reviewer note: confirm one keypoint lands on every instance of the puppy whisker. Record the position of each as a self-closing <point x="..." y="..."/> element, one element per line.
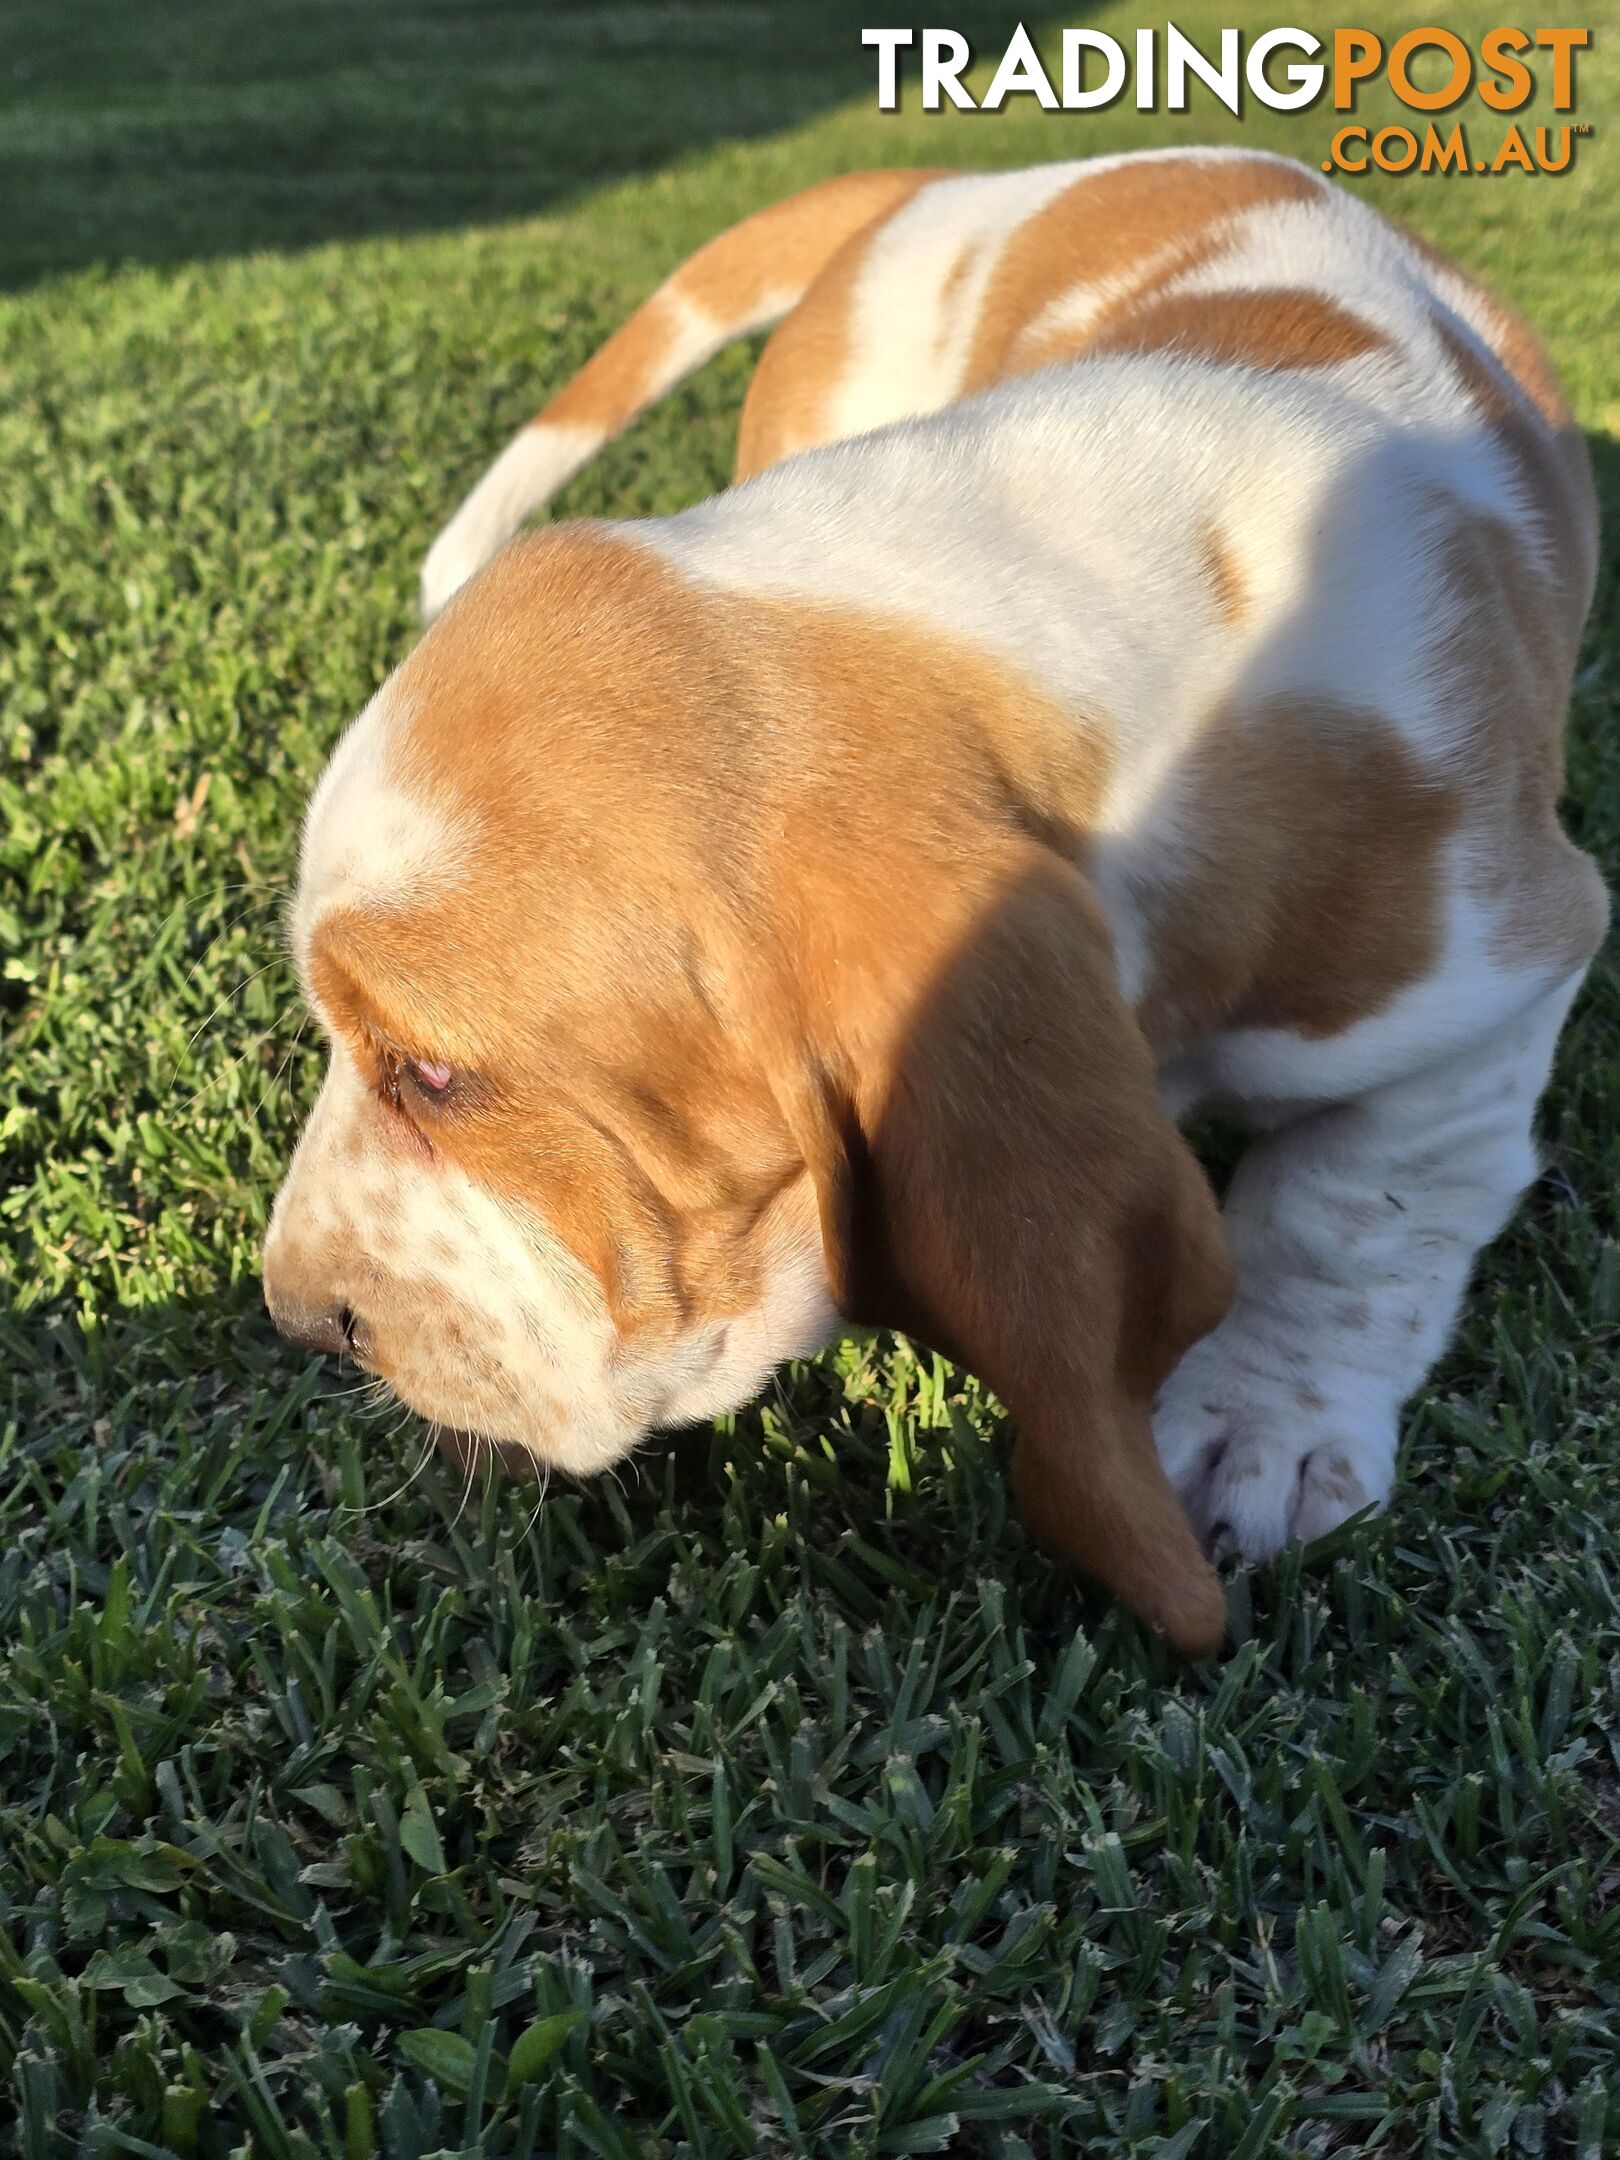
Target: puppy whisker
<point x="371" y="1507"/>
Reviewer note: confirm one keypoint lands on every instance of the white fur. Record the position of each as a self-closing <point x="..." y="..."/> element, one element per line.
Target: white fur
<point x="482" y="1320"/>
<point x="1354" y="1229"/>
<point x="910" y="348"/>
<point x="369" y="837"/>
<point x="723" y="1365"/>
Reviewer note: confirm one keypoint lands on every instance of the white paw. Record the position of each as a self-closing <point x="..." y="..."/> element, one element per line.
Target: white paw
<point x="1260" y="1461"/>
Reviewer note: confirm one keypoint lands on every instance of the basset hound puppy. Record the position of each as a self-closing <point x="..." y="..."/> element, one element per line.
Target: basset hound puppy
<point x="1131" y="674"/>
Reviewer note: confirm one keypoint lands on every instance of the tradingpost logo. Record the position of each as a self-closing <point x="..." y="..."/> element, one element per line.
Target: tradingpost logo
<point x="1461" y="95"/>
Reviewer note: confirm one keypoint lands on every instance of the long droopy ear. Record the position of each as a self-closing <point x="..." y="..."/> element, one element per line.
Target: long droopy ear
<point x="1007" y="1185"/>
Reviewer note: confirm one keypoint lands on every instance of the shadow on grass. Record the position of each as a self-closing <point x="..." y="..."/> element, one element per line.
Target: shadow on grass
<point x="1592" y="802"/>
<point x="217" y="127"/>
<point x="189" y="1426"/>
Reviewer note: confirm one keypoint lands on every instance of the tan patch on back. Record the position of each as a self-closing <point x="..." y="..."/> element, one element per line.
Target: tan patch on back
<point x="1227" y="584"/>
<point x="1279" y="327"/>
<point x="1143" y="223"/>
<point x="1313" y="892"/>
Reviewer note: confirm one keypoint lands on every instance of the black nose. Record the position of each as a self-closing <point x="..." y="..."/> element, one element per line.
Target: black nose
<point x="319" y="1327"/>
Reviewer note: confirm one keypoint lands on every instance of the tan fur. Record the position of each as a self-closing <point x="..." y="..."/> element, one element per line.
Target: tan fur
<point x="1227" y="584"/>
<point x="1136" y="224"/>
<point x="643" y="1136"/>
<point x="788" y="403"/>
<point x="676" y="1030"/>
<point x="1311" y="893"/>
<point x="1272" y="329"/>
<point x="734" y="272"/>
<point x="1519" y="644"/>
<point x="727" y="280"/>
<point x="623" y="377"/>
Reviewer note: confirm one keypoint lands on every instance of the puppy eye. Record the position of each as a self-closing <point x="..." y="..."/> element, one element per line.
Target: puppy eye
<point x="429" y="1074"/>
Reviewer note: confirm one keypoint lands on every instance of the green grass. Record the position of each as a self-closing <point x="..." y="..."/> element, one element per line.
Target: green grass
<point x="782" y="1801"/>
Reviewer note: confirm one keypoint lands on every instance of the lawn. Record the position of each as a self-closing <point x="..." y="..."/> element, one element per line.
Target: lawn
<point x="775" y="1798"/>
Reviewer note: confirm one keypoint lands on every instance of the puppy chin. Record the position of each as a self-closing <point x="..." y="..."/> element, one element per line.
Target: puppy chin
<point x="472" y="1451"/>
<point x="578" y="1451"/>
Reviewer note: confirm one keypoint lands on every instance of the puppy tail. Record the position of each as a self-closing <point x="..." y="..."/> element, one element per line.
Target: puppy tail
<point x="744" y="280"/>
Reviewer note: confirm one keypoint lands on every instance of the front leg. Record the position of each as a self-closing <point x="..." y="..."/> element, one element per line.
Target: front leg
<point x="1354" y="1230"/>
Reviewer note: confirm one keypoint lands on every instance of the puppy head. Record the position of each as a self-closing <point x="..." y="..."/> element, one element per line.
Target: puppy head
<point x="545" y="1192"/>
<point x="654" y="1050"/>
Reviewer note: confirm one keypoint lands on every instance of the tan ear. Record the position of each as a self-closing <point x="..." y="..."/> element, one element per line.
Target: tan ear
<point x="1010" y="1188"/>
